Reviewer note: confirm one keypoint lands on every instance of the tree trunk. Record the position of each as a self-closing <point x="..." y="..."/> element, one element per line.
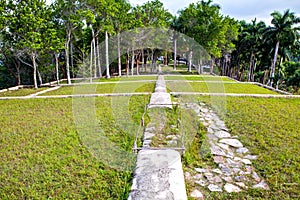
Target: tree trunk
<point x="132" y="62"/>
<point x="272" y="75"/>
<point x="71" y="57"/>
<point x="119" y="55"/>
<point x="138" y="64"/>
<point x="250" y="67"/>
<point x="91" y="63"/>
<point x="67" y="46"/>
<point x="143" y="61"/>
<point x="212" y="66"/>
<point x="190" y="61"/>
<point x="34" y="70"/>
<point x="175" y="53"/>
<point x="94" y="53"/>
<point x="56" y="67"/>
<point x="127" y="64"/>
<point x="106" y="55"/>
<point x="99" y="58"/>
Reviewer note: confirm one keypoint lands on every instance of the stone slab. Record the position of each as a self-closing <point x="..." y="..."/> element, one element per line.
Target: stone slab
<point x="158" y="175"/>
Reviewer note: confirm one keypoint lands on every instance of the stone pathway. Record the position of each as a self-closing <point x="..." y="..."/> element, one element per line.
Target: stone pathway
<point x="158" y="174"/>
<point x="234" y="172"/>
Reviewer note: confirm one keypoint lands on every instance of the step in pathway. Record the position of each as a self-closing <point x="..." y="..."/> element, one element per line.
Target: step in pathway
<point x="158" y="174"/>
<point x="235" y="172"/>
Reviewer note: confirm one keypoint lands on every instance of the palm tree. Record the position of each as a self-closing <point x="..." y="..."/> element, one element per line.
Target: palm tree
<point x="281" y="29"/>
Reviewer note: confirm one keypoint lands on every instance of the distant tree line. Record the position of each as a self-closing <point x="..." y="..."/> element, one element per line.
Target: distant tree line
<point x="41" y="43"/>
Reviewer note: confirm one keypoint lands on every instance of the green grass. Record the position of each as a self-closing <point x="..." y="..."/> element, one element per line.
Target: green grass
<point x="42" y="156"/>
<point x="103" y="88"/>
<point x="21" y="92"/>
<point x="207" y="87"/>
<point x="270" y="129"/>
<point x="115" y="79"/>
<point x="199" y="78"/>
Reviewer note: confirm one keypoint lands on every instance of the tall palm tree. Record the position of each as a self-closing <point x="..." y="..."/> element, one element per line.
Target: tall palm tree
<point x="281" y="29"/>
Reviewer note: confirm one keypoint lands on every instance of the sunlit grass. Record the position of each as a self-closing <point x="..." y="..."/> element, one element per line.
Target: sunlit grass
<point x="103" y="88"/>
<point x="21" y="92"/>
<point x="270" y="129"/>
<point x="212" y="87"/>
<point x="42" y="156"/>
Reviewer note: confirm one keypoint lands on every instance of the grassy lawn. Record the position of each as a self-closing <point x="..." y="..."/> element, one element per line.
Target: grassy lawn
<point x="199" y="78"/>
<point x="115" y="79"/>
<point x="105" y="88"/>
<point x="270" y="129"/>
<point x="217" y="88"/>
<point x="42" y="156"/>
<point x="21" y="92"/>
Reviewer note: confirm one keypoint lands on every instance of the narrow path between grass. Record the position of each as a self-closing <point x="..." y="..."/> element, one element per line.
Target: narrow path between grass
<point x="158" y="174"/>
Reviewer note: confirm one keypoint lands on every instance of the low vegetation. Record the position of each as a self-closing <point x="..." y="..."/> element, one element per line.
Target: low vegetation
<point x="270" y="129"/>
<point x="20" y="92"/>
<point x="42" y="156"/>
<point x="104" y="88"/>
<point x="212" y="87"/>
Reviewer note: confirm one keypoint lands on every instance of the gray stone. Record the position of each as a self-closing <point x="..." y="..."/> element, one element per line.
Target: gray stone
<point x="148" y="135"/>
<point x="222" y="134"/>
<point x="246" y="161"/>
<point x="218" y="171"/>
<point x="236" y="170"/>
<point x="232" y="142"/>
<point x="237" y="159"/>
<point x="256" y="177"/>
<point x="201" y="170"/>
<point x="218" y="159"/>
<point x="241" y="184"/>
<point x="215" y="150"/>
<point x="231" y="188"/>
<point x="214" y="188"/>
<point x="201" y="182"/>
<point x="217" y="179"/>
<point x="197" y="194"/>
<point x="223" y="146"/>
<point x="240" y="178"/>
<point x="228" y="179"/>
<point x="262" y="185"/>
<point x="158" y="175"/>
<point x="242" y="150"/>
<point x="251" y="157"/>
<point x="198" y="176"/>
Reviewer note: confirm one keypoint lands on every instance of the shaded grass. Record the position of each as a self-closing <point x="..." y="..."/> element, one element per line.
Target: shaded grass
<point x="270" y="129"/>
<point x="218" y="88"/>
<point x="103" y="88"/>
<point x="42" y="156"/>
<point x="21" y="92"/>
<point x="199" y="78"/>
<point x="116" y="79"/>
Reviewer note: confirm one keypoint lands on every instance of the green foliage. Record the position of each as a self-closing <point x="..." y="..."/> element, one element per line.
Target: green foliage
<point x="292" y="76"/>
<point x="203" y="22"/>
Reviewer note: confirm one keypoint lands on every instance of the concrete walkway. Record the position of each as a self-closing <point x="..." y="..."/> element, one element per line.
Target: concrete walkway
<point x="158" y="174"/>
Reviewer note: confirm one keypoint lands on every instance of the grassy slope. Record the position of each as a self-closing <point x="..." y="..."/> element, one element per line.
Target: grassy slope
<point x="105" y="88"/>
<point x="270" y="129"/>
<point x="124" y="78"/>
<point x="199" y="78"/>
<point x="42" y="156"/>
<point x="21" y="92"/>
<point x="208" y="87"/>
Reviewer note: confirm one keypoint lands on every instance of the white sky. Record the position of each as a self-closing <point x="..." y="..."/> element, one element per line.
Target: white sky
<point x="239" y="9"/>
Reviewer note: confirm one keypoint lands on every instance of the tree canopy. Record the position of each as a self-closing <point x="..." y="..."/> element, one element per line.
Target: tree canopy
<point x="41" y="43"/>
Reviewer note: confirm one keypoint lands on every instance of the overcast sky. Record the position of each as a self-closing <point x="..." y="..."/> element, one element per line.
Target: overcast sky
<point x="239" y="9"/>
